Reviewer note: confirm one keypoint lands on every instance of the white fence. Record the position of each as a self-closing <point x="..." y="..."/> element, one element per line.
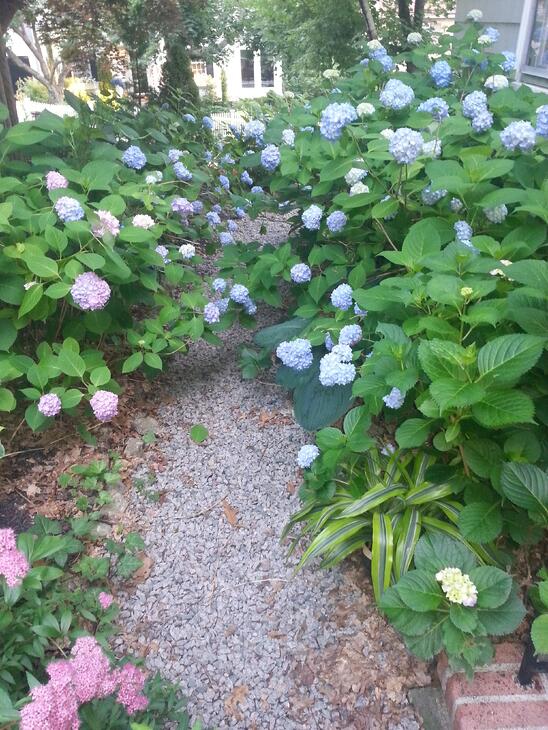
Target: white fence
<point x="28" y="110"/>
<point x="222" y="121"/>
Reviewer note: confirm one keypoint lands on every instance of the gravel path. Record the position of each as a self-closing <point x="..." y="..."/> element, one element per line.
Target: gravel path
<point x="252" y="646"/>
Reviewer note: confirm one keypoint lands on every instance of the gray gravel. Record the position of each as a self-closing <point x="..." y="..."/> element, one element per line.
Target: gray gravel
<point x="252" y="646"/>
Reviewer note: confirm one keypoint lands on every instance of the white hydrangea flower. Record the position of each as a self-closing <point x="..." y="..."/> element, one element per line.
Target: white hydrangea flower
<point x="365" y="109"/>
<point x="484" y="40"/>
<point x="432" y="149"/>
<point x="387" y="133"/>
<point x="457" y="586"/>
<point x="496" y="82"/>
<point x="354" y="175"/>
<point x="414" y="38"/>
<point x="475" y="15"/>
<point x="331" y="73"/>
<point x="374" y="45"/>
<point x="358" y="188"/>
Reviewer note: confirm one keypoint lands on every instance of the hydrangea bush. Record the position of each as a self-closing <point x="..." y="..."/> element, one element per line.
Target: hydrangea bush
<point x="418" y="205"/>
<point x="100" y="218"/>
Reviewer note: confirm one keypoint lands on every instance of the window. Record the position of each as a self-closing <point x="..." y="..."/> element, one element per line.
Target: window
<point x="247" y="64"/>
<point x="267" y="71"/>
<point x="537" y="55"/>
<point x="198" y="68"/>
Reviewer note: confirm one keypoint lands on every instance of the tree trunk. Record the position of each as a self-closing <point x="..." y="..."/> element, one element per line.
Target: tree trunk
<point x="8" y="8"/>
<point x="368" y="17"/>
<point x="404" y="15"/>
<point x="418" y="17"/>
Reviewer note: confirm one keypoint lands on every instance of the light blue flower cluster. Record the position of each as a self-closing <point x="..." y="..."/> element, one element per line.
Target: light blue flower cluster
<point x="212" y="313"/>
<point x="312" y="217"/>
<point x="497" y="214"/>
<point x="207" y="123"/>
<point x="246" y="178"/>
<point x="213" y="218"/>
<point x="254" y="129"/>
<point x="435" y="106"/>
<point x="380" y="54"/>
<point x="473" y="104"/>
<point x="509" y="64"/>
<point x="239" y="293"/>
<point x="441" y="74"/>
<point x="227" y="160"/>
<point x="232" y="226"/>
<point x="405" y="145"/>
<point x="463" y="231"/>
<point x="257" y="189"/>
<point x="542" y="120"/>
<point x="134" y="157"/>
<point x="197" y="206"/>
<point x="189" y="118"/>
<point x="456" y="205"/>
<point x="431" y="197"/>
<point x="492" y="33"/>
<point x="341" y="297"/>
<point x="182" y="172"/>
<point x="226" y="238"/>
<point x="336" y="367"/>
<point x="217" y="208"/>
<point x="208" y="156"/>
<point x="307" y="455"/>
<point x="173" y="155"/>
<point x="270" y="157"/>
<point x="350" y="334"/>
<point x="296" y="354"/>
<point x="240" y="212"/>
<point x="334" y="119"/>
<point x="300" y="273"/>
<point x="182" y="206"/>
<point x="218" y="285"/>
<point x="288" y="137"/>
<point x="396" y="95"/>
<point x="68" y="209"/>
<point x="394" y="399"/>
<point x="518" y="135"/>
<point x="482" y="121"/>
<point x="225" y="182"/>
<point x="359" y="311"/>
<point x="336" y="221"/>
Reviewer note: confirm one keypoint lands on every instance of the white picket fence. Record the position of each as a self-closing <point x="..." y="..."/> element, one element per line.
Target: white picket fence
<point x="222" y="121"/>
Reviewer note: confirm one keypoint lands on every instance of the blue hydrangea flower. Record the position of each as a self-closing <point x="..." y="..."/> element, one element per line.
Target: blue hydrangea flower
<point x="239" y="212"/>
<point x="336" y="221"/>
<point x="213" y="218"/>
<point x="226" y="238"/>
<point x="431" y="197"/>
<point x="334" y="119"/>
<point x="328" y="342"/>
<point x="222" y="304"/>
<point x="197" y="207"/>
<point x="542" y="120"/>
<point x="482" y="121"/>
<point x="134" y="157"/>
<point x="300" y="273"/>
<point x="387" y="63"/>
<point x="235" y="130"/>
<point x="307" y="129"/>
<point x="239" y="293"/>
<point x="343" y="352"/>
<point x="469" y="246"/>
<point x="270" y="157"/>
<point x="406" y="145"/>
<point x="435" y="106"/>
<point x="333" y="371"/>
<point x="307" y="455"/>
<point x="359" y="311"/>
<point x="217" y="208"/>
<point x="227" y="160"/>
<point x="312" y="217"/>
<point x="463" y="231"/>
<point x="288" y="137"/>
<point x="211" y="313"/>
<point x="225" y="182"/>
<point x="394" y="399"/>
<point x="341" y="297"/>
<point x="254" y="130"/>
<point x="509" y="64"/>
<point x="441" y="74"/>
<point x="218" y="285"/>
<point x="350" y="334"/>
<point x="296" y="354"/>
<point x="207" y="123"/>
<point x="257" y="189"/>
<point x="518" y="135"/>
<point x="68" y="209"/>
<point x="456" y="205"/>
<point x="189" y="118"/>
<point x="396" y="95"/>
<point x="497" y="214"/>
<point x="208" y="156"/>
<point x="232" y="226"/>
<point x="246" y="178"/>
<point x="473" y="104"/>
<point x="182" y="172"/>
<point x="250" y="307"/>
<point x="173" y="155"/>
<point x="492" y="33"/>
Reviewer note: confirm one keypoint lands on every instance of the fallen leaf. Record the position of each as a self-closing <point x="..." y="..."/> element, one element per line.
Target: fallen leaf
<point x="142" y="573"/>
<point x="32" y="490"/>
<point x="235" y="698"/>
<point x="291" y="487"/>
<point x="231" y="514"/>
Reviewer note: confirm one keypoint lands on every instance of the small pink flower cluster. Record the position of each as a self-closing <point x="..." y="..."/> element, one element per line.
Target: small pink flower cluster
<point x="55" y="181"/>
<point x="50" y="405"/>
<point x="104" y="405"/>
<point x="105" y="600"/>
<point x="84" y="677"/>
<point x="13" y="564"/>
<point x="90" y="292"/>
<point x="107" y="223"/>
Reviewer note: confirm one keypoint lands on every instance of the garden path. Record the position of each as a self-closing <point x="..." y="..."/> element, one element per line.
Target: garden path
<point x="220" y="612"/>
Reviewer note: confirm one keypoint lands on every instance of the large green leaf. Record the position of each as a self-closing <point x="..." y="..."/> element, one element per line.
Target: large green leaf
<point x="539" y="634"/>
<point x="526" y="486"/>
<point x="413" y="432"/>
<point x="493" y="584"/>
<point x="506" y="358"/>
<point x="419" y="590"/>
<point x="504" y="408"/>
<point x="480" y="521"/>
<point x="505" y="618"/>
<point x="435" y="551"/>
<point x="405" y="620"/>
<point x="442" y="359"/>
<point x="316" y="406"/>
<point x="449" y="393"/>
<point x="270" y="337"/>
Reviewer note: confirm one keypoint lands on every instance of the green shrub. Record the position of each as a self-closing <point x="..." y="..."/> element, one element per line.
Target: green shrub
<point x="32" y="89"/>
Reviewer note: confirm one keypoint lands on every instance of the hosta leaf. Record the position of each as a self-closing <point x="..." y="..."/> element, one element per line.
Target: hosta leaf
<point x="480" y="521"/>
<point x="407" y="534"/>
<point x="382" y="553"/>
<point x="493" y="584"/>
<point x="504" y="408"/>
<point x="506" y="358"/>
<point x="331" y="537"/>
<point x="450" y="393"/>
<point x="374" y="497"/>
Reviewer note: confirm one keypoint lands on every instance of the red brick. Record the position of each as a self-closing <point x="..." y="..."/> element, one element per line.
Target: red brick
<point x="495" y="715"/>
<point x="486" y="684"/>
<point x="508" y="653"/>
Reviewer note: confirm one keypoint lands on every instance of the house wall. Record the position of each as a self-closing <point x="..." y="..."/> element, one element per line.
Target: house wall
<point x="504" y="15"/>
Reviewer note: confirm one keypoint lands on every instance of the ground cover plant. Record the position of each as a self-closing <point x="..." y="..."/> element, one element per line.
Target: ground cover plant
<point x="419" y="300"/>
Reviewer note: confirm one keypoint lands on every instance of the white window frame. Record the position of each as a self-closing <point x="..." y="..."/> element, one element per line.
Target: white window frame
<point x="524" y="40"/>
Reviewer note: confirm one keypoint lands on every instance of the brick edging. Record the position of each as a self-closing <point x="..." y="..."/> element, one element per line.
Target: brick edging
<point x="494" y="699"/>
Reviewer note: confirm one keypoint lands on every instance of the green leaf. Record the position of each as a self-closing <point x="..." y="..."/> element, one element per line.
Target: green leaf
<point x="7" y="400"/>
<point x="331" y="537"/>
<point x="41" y="265"/>
<point x="71" y="363"/>
<point x="100" y="376"/>
<point x="8" y="334"/>
<point x="57" y="290"/>
<point x="442" y="359"/>
<point x="30" y="299"/>
<point x="449" y="393"/>
<point x="91" y="260"/>
<point x="413" y="432"/>
<point x="504" y="359"/>
<point x="199" y="433"/>
<point x="330" y="438"/>
<point x="315" y="406"/>
<point x="430" y="642"/>
<point x="373" y="498"/>
<point x="505" y="618"/>
<point x="407" y="534"/>
<point x="504" y="408"/>
<point x="132" y="362"/>
<point x="493" y="584"/>
<point x="382" y="553"/>
<point x="482" y="455"/>
<point x="435" y="552"/>
<point x="465" y="619"/>
<point x="539" y="634"/>
<point x="335" y="169"/>
<point x="480" y="521"/>
<point x="153" y="360"/>
<point x="419" y="591"/>
<point x="526" y="486"/>
<point x="24" y="135"/>
<point x="270" y="337"/>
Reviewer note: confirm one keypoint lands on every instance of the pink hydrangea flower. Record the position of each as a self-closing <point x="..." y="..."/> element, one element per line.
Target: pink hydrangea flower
<point x="104" y="405"/>
<point x="90" y="292"/>
<point x="107" y="223"/>
<point x="50" y="405"/>
<point x="143" y="221"/>
<point x="13" y="563"/>
<point x="105" y="600"/>
<point x="130" y="693"/>
<point x="54" y="180"/>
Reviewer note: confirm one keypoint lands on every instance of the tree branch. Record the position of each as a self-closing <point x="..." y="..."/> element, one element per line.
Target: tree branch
<point x="368" y="17"/>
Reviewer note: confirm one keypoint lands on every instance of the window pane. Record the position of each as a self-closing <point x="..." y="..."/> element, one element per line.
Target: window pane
<point x="267" y="71"/>
<point x="247" y="63"/>
<point x="538" y="48"/>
